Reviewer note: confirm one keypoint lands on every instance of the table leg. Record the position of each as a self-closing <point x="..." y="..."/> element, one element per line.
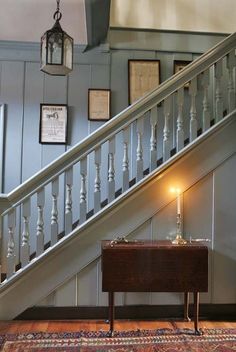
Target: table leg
<point x="111" y="312"/>
<point x="186" y="306"/>
<point x="196" y="312"/>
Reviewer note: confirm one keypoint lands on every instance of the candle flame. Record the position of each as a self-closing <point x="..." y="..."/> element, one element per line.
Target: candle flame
<point x="175" y="190"/>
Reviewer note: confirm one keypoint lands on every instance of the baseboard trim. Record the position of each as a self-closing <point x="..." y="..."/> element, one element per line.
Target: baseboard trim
<point x="156" y="312"/>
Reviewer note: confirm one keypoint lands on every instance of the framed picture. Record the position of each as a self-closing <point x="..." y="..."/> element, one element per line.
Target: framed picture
<point x="178" y="66"/>
<point x="99" y="104"/>
<point x="53" y="124"/>
<point x="144" y="76"/>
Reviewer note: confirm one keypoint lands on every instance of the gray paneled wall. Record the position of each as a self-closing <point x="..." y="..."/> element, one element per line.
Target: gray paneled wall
<point x="23" y="87"/>
<point x="209" y="212"/>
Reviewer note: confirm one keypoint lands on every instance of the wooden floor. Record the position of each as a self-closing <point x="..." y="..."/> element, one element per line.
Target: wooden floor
<point x="76" y="325"/>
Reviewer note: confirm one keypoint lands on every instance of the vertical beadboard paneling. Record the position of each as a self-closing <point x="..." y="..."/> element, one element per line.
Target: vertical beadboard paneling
<point x="87" y="288"/>
<point x="66" y="294"/>
<point x="33" y="97"/>
<point x="12" y="92"/>
<point x="119" y="80"/>
<point x="224" y="260"/>
<point x="197" y="221"/>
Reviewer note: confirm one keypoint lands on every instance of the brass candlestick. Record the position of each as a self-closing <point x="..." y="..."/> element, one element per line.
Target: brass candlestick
<point x="179" y="239"/>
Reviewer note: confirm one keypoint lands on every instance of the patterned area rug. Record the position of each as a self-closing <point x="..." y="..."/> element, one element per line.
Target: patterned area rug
<point x="161" y="340"/>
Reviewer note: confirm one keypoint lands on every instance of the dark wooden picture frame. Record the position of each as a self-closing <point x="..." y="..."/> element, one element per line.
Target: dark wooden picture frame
<point x="53" y="124"/>
<point x="143" y="77"/>
<point x="99" y="104"/>
<point x="178" y="66"/>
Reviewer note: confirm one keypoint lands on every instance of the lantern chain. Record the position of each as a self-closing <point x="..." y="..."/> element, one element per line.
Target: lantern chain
<point x="57" y="15"/>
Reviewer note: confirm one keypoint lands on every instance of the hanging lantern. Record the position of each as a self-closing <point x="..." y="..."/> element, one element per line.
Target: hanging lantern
<point x="56" y="49"/>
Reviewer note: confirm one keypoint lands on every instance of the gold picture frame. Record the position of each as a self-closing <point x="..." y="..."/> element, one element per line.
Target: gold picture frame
<point x="144" y="76"/>
<point x="178" y="66"/>
<point x="99" y="104"/>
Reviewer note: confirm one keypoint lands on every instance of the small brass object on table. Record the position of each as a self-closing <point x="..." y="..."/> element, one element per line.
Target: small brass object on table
<point x="179" y="239"/>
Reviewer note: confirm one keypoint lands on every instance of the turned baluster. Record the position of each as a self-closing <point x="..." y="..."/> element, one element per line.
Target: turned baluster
<point x="83" y="190"/>
<point x="25" y="243"/>
<point x="111" y="170"/>
<point x="139" y="150"/>
<point x="153" y="139"/>
<point x="97" y="181"/>
<point x="68" y="207"/>
<point x="40" y="222"/>
<point x="193" y="109"/>
<point x="54" y="213"/>
<point x="206" y="111"/>
<point x="218" y="91"/>
<point x="231" y="92"/>
<point x="166" y="131"/>
<point x="11" y="243"/>
<point x="180" y="120"/>
<point x="125" y="163"/>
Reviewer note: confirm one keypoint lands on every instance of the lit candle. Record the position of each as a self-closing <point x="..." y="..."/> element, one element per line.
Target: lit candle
<point x="178" y="201"/>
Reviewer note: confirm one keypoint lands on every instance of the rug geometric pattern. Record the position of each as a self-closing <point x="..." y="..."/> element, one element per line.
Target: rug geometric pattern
<point x="161" y="340"/>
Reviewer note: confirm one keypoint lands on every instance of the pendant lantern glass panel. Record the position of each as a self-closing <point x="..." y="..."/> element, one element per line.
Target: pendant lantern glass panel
<point x="43" y="49"/>
<point x="55" y="48"/>
<point x="68" y="51"/>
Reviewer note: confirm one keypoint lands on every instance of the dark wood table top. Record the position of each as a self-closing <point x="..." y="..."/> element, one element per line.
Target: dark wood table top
<point x="155" y="266"/>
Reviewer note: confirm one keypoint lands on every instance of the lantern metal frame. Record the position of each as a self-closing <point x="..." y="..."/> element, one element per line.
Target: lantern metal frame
<point x="45" y="63"/>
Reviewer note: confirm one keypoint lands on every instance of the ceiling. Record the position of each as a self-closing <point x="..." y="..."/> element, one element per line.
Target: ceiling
<point x="27" y="20"/>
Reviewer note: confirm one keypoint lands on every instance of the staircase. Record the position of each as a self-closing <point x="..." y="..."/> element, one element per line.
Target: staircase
<point x="50" y="232"/>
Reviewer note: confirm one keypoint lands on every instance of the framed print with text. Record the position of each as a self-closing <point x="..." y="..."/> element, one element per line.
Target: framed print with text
<point x="144" y="76"/>
<point x="99" y="104"/>
<point x="53" y="124"/>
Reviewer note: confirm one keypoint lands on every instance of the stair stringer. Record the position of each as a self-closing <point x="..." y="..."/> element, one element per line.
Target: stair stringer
<point x="75" y="251"/>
